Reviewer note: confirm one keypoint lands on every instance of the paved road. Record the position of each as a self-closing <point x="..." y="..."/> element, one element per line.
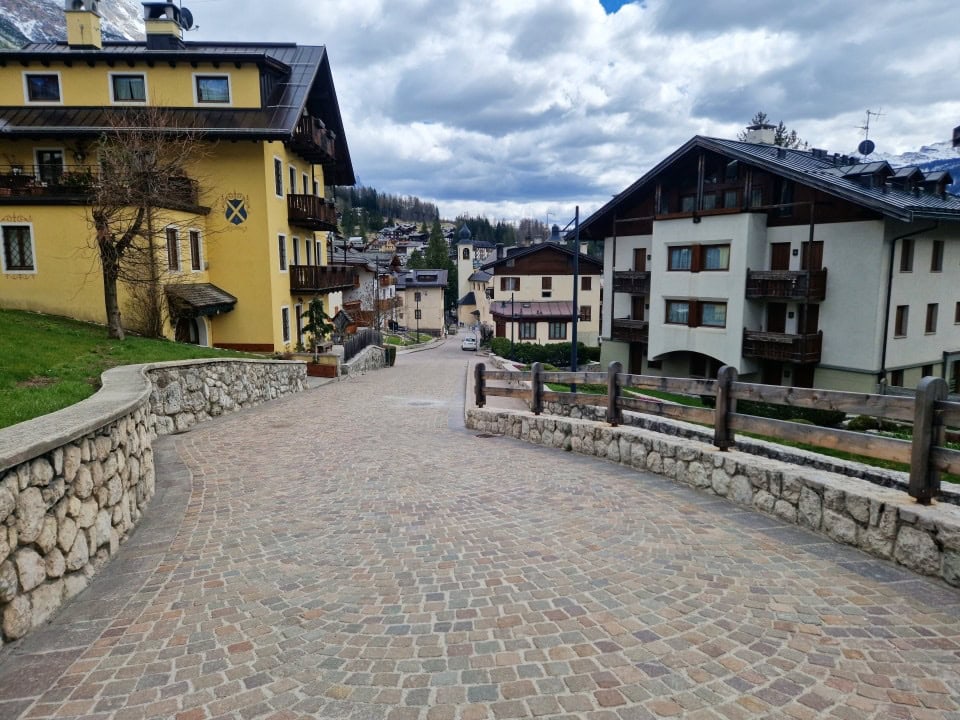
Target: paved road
<point x="355" y="552"/>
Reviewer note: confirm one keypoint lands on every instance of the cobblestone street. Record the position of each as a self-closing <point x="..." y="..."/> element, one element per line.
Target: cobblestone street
<point x="355" y="552"/>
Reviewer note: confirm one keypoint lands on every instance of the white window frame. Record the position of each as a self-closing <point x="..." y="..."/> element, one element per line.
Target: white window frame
<point x="277" y="162"/>
<point x="33" y="250"/>
<point x="166" y="247"/>
<point x="36" y="159"/>
<point x="298" y="322"/>
<point x="306" y="183"/>
<point x="196" y="95"/>
<point x="295" y="257"/>
<point x="308" y="249"/>
<point x="283" y="260"/>
<point x="285" y="326"/>
<point x="292" y="177"/>
<point x="146" y="88"/>
<point x="26" y="89"/>
<point x="190" y="232"/>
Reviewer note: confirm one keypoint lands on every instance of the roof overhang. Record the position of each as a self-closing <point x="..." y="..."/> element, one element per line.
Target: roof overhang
<point x="198" y="299"/>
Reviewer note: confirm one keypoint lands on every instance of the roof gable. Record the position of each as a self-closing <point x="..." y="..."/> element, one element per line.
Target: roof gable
<point x="543" y="259"/>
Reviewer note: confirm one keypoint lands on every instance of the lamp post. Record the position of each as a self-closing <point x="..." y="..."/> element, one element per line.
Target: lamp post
<point x="576" y="288"/>
<point x="513" y="322"/>
<point x="416" y="314"/>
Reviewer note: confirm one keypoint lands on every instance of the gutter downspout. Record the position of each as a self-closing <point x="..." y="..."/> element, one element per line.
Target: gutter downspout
<point x="882" y="375"/>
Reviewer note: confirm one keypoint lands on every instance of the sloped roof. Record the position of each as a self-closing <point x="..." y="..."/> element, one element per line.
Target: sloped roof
<point x="543" y="310"/>
<point x="823" y="172"/>
<point x="480" y="276"/>
<point x="303" y="82"/>
<point x="197" y="299"/>
<point x="588" y="265"/>
<point x="423" y="278"/>
<point x="468" y="299"/>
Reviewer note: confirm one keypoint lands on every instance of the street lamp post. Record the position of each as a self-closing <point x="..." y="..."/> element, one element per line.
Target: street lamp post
<point x="416" y="314"/>
<point x="576" y="287"/>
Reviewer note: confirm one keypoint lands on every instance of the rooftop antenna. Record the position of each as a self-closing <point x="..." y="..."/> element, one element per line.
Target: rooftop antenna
<point x="868" y="146"/>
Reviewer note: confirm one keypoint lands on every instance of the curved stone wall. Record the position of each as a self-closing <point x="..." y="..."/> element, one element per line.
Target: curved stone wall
<point x="73" y="484"/>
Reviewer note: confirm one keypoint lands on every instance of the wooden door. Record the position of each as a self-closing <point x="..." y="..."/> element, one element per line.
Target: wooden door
<point x="501" y="328"/>
<point x="637" y="351"/>
<point x="808" y="319"/>
<point x="803" y="375"/>
<point x="771" y="373"/>
<point x="636" y="307"/>
<point x="812" y="256"/>
<point x="780" y="256"/>
<point x="776" y="317"/>
<point x="640" y="260"/>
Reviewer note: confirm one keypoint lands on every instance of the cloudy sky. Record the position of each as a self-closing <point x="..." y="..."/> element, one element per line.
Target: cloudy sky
<point x="520" y="108"/>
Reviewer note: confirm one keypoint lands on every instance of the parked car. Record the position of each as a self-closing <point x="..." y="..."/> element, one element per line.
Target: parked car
<point x="469" y="342"/>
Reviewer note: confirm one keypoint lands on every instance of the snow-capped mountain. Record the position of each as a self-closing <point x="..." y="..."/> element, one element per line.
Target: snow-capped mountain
<point x="22" y="21"/>
<point x="938" y="156"/>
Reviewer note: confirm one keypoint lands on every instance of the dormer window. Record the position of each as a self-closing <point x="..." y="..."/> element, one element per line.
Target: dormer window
<point x="212" y="89"/>
<point x="42" y="87"/>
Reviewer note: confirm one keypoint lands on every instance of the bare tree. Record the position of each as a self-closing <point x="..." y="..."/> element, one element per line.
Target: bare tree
<point x="142" y="190"/>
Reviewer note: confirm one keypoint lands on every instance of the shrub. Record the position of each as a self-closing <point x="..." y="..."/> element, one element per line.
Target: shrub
<point x="824" y="418"/>
<point x="557" y="354"/>
<point x="863" y="422"/>
<point x="390" y="354"/>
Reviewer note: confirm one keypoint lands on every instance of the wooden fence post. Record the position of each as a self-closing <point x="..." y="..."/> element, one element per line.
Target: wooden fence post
<point x="927" y="434"/>
<point x="537" y="370"/>
<point x="614" y="412"/>
<point x="480" y="384"/>
<point x="722" y="434"/>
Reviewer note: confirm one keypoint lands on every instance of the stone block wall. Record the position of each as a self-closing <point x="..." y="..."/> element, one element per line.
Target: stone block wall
<point x="73" y="484"/>
<point x="884" y="522"/>
<point x="372" y="357"/>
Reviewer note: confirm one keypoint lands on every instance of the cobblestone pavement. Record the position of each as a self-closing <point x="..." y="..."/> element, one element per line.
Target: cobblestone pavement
<point x="355" y="552"/>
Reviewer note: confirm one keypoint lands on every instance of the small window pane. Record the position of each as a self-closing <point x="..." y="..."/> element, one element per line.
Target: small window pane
<point x="43" y="88"/>
<point x="688" y="203"/>
<point x="17" y="248"/>
<point x="680" y="258"/>
<point x="716" y="257"/>
<point x="278" y="176"/>
<point x="678" y="313"/>
<point x="714" y="314"/>
<point x="195" y="260"/>
<point x="213" y="89"/>
<point x="173" y="249"/>
<point x="129" y="88"/>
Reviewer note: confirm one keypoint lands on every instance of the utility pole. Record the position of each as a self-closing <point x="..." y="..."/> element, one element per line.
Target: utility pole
<point x="513" y="322"/>
<point x="576" y="288"/>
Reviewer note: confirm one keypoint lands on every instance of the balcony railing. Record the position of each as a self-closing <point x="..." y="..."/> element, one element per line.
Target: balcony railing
<point x="390" y="303"/>
<point x="634" y="282"/>
<point x="801" y="349"/>
<point x="311" y="212"/>
<point x="627" y="330"/>
<point x="74" y="184"/>
<point x="322" y="278"/>
<point x="313" y="142"/>
<point x="808" y="285"/>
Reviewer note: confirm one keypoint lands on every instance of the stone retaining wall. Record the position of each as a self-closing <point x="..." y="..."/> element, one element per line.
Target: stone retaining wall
<point x="884" y="522"/>
<point x="372" y="357"/>
<point x="73" y="484"/>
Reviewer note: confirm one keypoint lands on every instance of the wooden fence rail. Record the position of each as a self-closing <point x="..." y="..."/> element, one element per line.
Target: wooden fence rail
<point x="930" y="413"/>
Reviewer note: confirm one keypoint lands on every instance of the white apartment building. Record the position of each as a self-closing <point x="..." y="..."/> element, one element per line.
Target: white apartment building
<point x="798" y="268"/>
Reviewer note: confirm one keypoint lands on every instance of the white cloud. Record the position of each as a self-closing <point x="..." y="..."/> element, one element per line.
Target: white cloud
<point x="513" y="108"/>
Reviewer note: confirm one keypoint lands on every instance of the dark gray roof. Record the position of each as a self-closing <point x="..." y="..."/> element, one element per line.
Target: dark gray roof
<point x="195" y="299"/>
<point x="541" y="310"/>
<point x="468" y="299"/>
<point x="480" y="276"/>
<point x="822" y="172"/>
<point x="300" y="75"/>
<point x="588" y="266"/>
<point x="424" y="278"/>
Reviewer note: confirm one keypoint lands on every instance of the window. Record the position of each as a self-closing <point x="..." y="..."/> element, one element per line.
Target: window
<point x="900" y="325"/>
<point x="282" y="252"/>
<point x="528" y="331"/>
<point x="293" y="179"/>
<point x="278" y="176"/>
<point x="43" y="87"/>
<point x="296" y="251"/>
<point x="307" y="248"/>
<point x="285" y="323"/>
<point x="546" y="283"/>
<point x="756" y="197"/>
<point x="213" y="89"/>
<point x="173" y="250"/>
<point x="510" y="284"/>
<point x="932" y="312"/>
<point x="298" y="315"/>
<point x="679" y="258"/>
<point x="196" y="261"/>
<point x="926" y="371"/>
<point x="306" y="184"/>
<point x="678" y="312"/>
<point x="558" y="331"/>
<point x="936" y="261"/>
<point x="713" y="314"/>
<point x="586" y="283"/>
<point x="731" y="199"/>
<point x="316" y="188"/>
<point x="128" y="88"/>
<point x="786" y="198"/>
<point x="956" y="313"/>
<point x="709" y="201"/>
<point x="906" y="255"/>
<point x="716" y="257"/>
<point x="466" y="253"/>
<point x="896" y="378"/>
<point x="18" y="255"/>
<point x="586" y="312"/>
<point x="688" y="203"/>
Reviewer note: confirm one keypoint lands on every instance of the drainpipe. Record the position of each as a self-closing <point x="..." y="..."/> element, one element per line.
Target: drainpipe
<point x="882" y="375"/>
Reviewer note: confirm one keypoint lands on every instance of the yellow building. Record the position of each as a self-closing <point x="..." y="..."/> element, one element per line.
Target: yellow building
<point x="243" y="247"/>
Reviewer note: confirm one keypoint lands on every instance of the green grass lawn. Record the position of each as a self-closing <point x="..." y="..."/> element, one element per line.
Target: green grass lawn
<point x="48" y="362"/>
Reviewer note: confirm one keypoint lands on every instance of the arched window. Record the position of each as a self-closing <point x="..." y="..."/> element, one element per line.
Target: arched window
<point x="466" y="253"/>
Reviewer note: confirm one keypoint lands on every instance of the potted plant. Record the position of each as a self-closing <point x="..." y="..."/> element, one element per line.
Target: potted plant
<point x="319" y="326"/>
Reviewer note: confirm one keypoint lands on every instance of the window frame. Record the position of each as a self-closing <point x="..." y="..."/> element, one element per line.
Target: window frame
<point x="172" y="239"/>
<point x="907" y="250"/>
<point x="932" y="318"/>
<point x="112" y="78"/>
<point x="292" y="177"/>
<point x="703" y="257"/>
<point x="557" y="330"/>
<point x="198" y="76"/>
<point x="298" y="321"/>
<point x="305" y="179"/>
<point x="670" y="259"/>
<point x="509" y="283"/>
<point x="586" y="283"/>
<point x="546" y="282"/>
<point x="901" y="321"/>
<point x="527" y="330"/>
<point x="27" y="74"/>
<point x="278" y="176"/>
<point x="18" y="270"/>
<point x="586" y="313"/>
<point x="700" y="314"/>
<point x="282" y="259"/>
<point x="677" y="302"/>
<point x="936" y="257"/>
<point x="295" y="256"/>
<point x="196" y="249"/>
<point x="285" y="324"/>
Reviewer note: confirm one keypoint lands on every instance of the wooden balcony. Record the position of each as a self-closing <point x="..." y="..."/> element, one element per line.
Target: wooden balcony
<point x="809" y="285"/>
<point x="800" y="349"/>
<point x="320" y="279"/>
<point x="631" y="281"/>
<point x="627" y="330"/>
<point x="313" y="142"/>
<point x="386" y="304"/>
<point x="311" y="212"/>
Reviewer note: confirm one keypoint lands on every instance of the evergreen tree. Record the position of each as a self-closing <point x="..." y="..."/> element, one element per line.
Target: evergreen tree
<point x="416" y="261"/>
<point x="782" y="135"/>
<point x="438" y="254"/>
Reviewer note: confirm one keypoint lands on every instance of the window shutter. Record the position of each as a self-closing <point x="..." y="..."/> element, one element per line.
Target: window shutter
<point x="693" y="315"/>
<point x="696" y="259"/>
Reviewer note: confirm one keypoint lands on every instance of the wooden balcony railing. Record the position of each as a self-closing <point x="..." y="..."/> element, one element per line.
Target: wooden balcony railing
<point x="311" y="212"/>
<point x="390" y="303"/>
<point x="801" y="349"/>
<point x="322" y="278"/>
<point x="627" y="330"/>
<point x="808" y="285"/>
<point x="312" y="141"/>
<point x="634" y="282"/>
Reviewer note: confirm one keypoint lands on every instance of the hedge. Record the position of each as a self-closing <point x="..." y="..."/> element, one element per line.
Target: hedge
<point x="552" y="353"/>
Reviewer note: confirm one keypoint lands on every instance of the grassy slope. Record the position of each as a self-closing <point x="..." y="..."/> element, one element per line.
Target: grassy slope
<point x="48" y="363"/>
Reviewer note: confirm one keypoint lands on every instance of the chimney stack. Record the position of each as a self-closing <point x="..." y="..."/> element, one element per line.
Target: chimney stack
<point x="164" y="24"/>
<point x="761" y="134"/>
<point x="83" y="24"/>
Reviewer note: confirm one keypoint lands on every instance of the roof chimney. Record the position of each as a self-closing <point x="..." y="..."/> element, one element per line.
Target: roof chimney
<point x="83" y="24"/>
<point x="760" y="134"/>
<point x="165" y="23"/>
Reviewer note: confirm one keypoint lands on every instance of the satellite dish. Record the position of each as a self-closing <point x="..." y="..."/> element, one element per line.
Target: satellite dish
<point x="186" y="18"/>
<point x="866" y="147"/>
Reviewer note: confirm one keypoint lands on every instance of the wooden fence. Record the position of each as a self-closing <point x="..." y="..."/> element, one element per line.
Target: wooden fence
<point x="929" y="412"/>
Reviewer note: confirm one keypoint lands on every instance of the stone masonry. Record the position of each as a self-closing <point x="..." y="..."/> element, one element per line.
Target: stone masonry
<point x="69" y="499"/>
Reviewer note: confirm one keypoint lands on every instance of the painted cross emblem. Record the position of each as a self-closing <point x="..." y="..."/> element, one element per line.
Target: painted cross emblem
<point x="235" y="213"/>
